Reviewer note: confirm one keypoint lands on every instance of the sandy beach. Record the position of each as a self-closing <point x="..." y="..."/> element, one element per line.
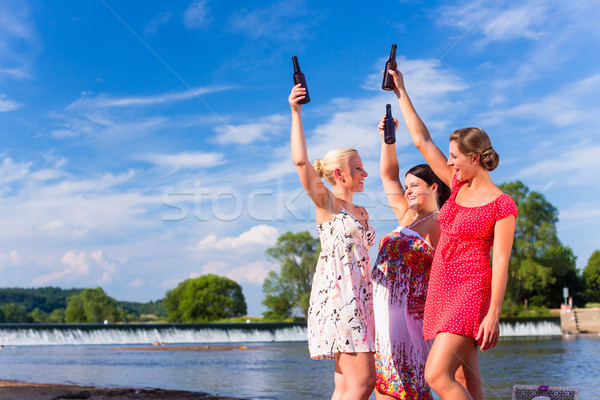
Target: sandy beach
<point x="13" y="390"/>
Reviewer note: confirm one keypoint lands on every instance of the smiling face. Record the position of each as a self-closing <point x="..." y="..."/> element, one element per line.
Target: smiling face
<point x="353" y="174"/>
<point x="419" y="194"/>
<point x="462" y="164"/>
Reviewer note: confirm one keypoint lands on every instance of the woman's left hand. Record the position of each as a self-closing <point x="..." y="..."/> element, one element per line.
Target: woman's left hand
<point x="417" y="308"/>
<point x="489" y="332"/>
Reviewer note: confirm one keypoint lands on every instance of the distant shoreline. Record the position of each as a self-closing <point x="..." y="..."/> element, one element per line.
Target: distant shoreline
<point x="16" y="390"/>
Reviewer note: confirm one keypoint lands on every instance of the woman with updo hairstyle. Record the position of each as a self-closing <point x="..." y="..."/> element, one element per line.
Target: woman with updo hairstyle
<point x="473" y="142"/>
<point x="340" y="313"/>
<point x="401" y="276"/>
<point x="464" y="298"/>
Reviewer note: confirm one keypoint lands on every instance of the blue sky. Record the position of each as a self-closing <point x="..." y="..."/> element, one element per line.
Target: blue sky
<point x="147" y="143"/>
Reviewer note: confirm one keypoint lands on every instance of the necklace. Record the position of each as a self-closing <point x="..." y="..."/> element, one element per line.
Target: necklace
<point x="413" y="223"/>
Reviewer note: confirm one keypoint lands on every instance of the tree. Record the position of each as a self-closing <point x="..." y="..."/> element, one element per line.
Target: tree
<point x="203" y="299"/>
<point x="540" y="265"/>
<point x="92" y="305"/>
<point x="591" y="277"/>
<point x="57" y="316"/>
<point x="38" y="315"/>
<point x="288" y="292"/>
<point x="15" y="313"/>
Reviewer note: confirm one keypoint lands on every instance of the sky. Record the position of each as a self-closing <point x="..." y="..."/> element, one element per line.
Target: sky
<point x="145" y="143"/>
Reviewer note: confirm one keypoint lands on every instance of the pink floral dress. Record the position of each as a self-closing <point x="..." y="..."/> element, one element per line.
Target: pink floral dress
<point x="340" y="315"/>
<point x="401" y="274"/>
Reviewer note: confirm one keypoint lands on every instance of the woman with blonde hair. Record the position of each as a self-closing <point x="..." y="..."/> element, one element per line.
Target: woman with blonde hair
<point x="340" y="315"/>
<point x="464" y="298"/>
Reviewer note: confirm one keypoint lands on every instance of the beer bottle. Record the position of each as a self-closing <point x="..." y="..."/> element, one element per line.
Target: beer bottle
<point x="388" y="80"/>
<point x="300" y="79"/>
<point x="389" y="129"/>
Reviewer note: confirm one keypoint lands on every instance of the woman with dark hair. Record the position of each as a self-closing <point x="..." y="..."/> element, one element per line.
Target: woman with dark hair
<point x="465" y="295"/>
<point x="400" y="277"/>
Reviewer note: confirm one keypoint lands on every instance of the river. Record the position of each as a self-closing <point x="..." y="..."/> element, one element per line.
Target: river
<point x="272" y="367"/>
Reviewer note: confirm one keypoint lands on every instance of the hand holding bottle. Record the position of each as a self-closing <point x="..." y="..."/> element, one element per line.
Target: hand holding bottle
<point x="297" y="95"/>
<point x="399" y="87"/>
<point x="381" y="126"/>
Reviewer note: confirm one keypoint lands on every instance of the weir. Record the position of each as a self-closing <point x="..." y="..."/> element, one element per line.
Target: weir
<point x="99" y="334"/>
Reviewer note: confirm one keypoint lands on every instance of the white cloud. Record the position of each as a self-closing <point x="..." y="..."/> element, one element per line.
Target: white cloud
<point x="75" y="266"/>
<point x="107" y="267"/>
<point x="79" y="266"/>
<point x="12" y="259"/>
<point x="137" y="282"/>
<point x="253" y="273"/>
<point x="568" y="106"/>
<point x="423" y="78"/>
<point x="187" y="160"/>
<point x="260" y="130"/>
<point x="11" y="171"/>
<point x="17" y="41"/>
<point x="287" y="20"/>
<point x="571" y="167"/>
<point x="162" y="19"/>
<point x="104" y="101"/>
<point x="197" y="15"/>
<point x="7" y="104"/>
<point x="495" y="23"/>
<point x="263" y="235"/>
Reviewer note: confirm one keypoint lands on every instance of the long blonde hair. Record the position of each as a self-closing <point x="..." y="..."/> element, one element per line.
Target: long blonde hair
<point x="333" y="160"/>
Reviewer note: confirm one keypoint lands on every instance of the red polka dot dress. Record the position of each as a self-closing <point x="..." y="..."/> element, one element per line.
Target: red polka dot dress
<point x="461" y="277"/>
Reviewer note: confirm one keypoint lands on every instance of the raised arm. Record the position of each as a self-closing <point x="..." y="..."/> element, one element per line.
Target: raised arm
<point x="316" y="190"/>
<point x="504" y="232"/>
<point x="390" y="175"/>
<point x="419" y="133"/>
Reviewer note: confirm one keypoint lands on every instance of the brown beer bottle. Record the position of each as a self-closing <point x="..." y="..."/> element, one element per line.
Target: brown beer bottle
<point x="389" y="129"/>
<point x="300" y="79"/>
<point x="388" y="80"/>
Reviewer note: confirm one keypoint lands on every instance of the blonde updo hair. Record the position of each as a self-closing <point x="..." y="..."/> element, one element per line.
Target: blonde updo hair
<point x="474" y="141"/>
<point x="333" y="160"/>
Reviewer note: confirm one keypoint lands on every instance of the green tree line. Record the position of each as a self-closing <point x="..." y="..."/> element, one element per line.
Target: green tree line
<point x="540" y="266"/>
<point x="203" y="299"/>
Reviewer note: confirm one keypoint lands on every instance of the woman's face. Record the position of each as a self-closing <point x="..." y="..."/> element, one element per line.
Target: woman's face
<point x="354" y="174"/>
<point x="462" y="164"/>
<point x="418" y="193"/>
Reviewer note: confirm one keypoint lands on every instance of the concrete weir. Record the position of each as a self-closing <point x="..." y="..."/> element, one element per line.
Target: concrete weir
<point x="580" y="320"/>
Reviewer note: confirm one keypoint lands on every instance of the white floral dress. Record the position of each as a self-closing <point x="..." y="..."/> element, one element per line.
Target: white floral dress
<point x="340" y="316"/>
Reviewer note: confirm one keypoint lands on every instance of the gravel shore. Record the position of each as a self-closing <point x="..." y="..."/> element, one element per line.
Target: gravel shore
<point x="13" y="390"/>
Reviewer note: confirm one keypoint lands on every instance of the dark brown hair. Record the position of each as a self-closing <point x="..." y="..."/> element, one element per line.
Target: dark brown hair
<point x="424" y="171"/>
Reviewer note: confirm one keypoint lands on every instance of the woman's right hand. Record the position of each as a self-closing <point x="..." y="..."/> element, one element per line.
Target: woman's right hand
<point x="381" y="125"/>
<point x="298" y="93"/>
<point x="398" y="82"/>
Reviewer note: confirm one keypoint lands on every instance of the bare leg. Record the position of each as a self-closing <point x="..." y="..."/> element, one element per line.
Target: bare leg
<point x="338" y="380"/>
<point x="447" y="354"/>
<point x="460" y="377"/>
<point x="382" y="396"/>
<point x="358" y="374"/>
<point x="472" y="376"/>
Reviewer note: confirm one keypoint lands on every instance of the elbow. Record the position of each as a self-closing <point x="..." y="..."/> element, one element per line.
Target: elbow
<point x="300" y="163"/>
<point x="419" y="143"/>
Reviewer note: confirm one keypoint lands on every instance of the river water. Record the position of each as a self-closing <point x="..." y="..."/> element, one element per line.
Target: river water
<point x="283" y="370"/>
